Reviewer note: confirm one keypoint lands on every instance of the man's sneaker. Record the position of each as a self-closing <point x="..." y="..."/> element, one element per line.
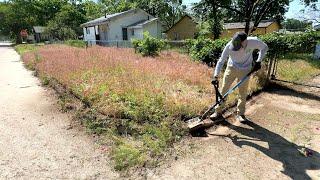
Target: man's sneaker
<point x="242" y="118"/>
<point x="216" y="116"/>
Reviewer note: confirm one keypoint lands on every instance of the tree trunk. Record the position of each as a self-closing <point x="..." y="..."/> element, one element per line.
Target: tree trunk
<point x="18" y="38"/>
<point x="248" y="15"/>
<point x="247" y="28"/>
<point x="215" y="24"/>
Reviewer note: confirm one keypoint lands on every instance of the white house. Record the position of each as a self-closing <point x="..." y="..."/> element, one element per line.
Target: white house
<point x="121" y="27"/>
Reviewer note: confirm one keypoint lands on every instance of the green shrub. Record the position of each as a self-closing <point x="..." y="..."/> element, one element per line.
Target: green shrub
<point x="24" y="48"/>
<point x="281" y="44"/>
<point x="126" y="156"/>
<point x="205" y="49"/>
<point x="148" y="46"/>
<point x="157" y="139"/>
<point x="76" y="43"/>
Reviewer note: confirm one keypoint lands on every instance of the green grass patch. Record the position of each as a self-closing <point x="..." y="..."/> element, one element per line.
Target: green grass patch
<point x="126" y="156"/>
<point x="76" y="43"/>
<point x="298" y="67"/>
<point x="24" y="48"/>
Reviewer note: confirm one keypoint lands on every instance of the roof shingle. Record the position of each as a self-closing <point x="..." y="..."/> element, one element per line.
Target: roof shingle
<point x="241" y="25"/>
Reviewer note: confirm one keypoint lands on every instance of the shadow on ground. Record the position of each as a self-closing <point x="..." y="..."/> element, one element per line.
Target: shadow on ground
<point x="287" y="91"/>
<point x="280" y="149"/>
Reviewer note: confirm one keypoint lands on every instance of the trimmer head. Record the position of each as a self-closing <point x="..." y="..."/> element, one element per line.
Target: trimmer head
<point x="196" y="124"/>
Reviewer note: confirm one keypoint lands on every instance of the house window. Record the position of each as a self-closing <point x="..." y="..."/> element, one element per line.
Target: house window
<point x="87" y="30"/>
<point x="132" y="32"/>
<point x="124" y="34"/>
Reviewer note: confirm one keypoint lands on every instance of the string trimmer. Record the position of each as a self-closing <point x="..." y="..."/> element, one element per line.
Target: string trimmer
<point x="197" y="123"/>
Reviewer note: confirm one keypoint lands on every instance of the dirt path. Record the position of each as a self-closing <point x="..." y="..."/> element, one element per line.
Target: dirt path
<point x="265" y="148"/>
<point x="36" y="141"/>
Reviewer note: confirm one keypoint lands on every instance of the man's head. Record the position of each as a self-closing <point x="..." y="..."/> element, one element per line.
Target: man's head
<point x="238" y="40"/>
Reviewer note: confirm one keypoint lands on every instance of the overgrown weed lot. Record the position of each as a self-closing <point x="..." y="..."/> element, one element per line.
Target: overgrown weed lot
<point x="144" y="100"/>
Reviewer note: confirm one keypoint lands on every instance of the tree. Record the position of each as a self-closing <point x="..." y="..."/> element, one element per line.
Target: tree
<point x="24" y="14"/>
<point x="171" y="12"/>
<point x="295" y="24"/>
<point x="3" y="17"/>
<point x="251" y="10"/>
<point x="63" y="16"/>
<point x="209" y="12"/>
<point x="17" y="15"/>
<point x="46" y="10"/>
<point x="115" y="6"/>
<point x="66" y="23"/>
<point x="93" y="10"/>
<point x="57" y="30"/>
<point x="168" y="11"/>
<point x="310" y="13"/>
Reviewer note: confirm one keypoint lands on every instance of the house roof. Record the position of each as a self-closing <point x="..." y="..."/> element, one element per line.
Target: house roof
<point x="108" y="17"/>
<point x="139" y="24"/>
<point x="38" y="29"/>
<point x="241" y="25"/>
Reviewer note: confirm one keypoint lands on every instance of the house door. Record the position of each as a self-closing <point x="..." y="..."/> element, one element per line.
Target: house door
<point x="96" y="32"/>
<point x="124" y="34"/>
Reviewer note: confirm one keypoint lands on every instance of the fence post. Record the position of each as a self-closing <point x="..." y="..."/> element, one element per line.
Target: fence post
<point x="270" y="67"/>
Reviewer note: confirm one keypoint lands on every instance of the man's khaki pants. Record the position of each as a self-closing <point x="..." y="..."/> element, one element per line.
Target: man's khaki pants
<point x="230" y="75"/>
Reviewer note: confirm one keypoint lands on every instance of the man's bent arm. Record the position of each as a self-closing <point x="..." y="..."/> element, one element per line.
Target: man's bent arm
<point x="263" y="48"/>
<point x="223" y="58"/>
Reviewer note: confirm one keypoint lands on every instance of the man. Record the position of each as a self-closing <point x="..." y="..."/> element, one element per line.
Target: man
<point x="239" y="52"/>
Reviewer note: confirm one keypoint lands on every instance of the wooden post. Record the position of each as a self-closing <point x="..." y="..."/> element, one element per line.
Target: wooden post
<point x="271" y="60"/>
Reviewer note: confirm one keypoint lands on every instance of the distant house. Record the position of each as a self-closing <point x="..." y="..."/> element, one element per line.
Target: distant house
<point x="264" y="27"/>
<point x="185" y="28"/>
<point x="38" y="34"/>
<point x="122" y="26"/>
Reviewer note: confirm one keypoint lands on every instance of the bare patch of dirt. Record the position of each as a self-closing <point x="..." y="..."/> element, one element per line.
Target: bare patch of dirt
<point x="283" y="122"/>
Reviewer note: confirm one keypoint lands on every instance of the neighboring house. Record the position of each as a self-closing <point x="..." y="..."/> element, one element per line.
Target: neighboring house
<point x="264" y="27"/>
<point x="122" y="26"/>
<point x="38" y="33"/>
<point x="185" y="28"/>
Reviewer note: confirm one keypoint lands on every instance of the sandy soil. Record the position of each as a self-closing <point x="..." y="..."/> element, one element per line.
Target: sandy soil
<point x="282" y="122"/>
<point x="36" y="140"/>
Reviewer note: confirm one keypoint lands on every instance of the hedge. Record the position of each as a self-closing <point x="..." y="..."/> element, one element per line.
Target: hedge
<point x="209" y="51"/>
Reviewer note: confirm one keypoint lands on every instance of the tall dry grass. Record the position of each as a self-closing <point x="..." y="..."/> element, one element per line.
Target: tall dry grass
<point x="153" y="94"/>
<point x="112" y="78"/>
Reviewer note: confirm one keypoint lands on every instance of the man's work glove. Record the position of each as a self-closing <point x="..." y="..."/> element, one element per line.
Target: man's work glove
<point x="215" y="81"/>
<point x="256" y="66"/>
